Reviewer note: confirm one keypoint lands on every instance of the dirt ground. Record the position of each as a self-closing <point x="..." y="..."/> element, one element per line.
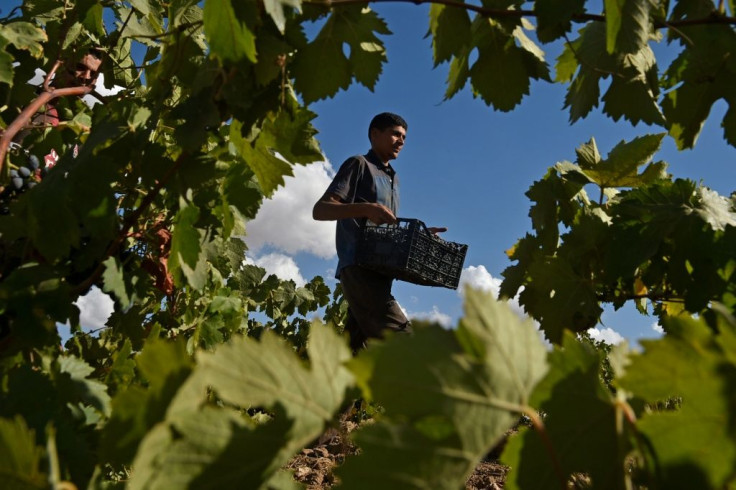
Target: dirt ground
<point x="313" y="466"/>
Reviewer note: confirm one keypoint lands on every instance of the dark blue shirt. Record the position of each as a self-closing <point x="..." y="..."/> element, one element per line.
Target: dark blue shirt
<point x="361" y="179"/>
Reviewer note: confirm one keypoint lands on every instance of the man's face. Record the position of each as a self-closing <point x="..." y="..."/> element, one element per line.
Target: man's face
<point x="388" y="143"/>
<point x="85" y="71"/>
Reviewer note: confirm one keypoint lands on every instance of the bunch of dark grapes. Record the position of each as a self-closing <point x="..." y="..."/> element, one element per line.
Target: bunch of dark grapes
<point x="22" y="179"/>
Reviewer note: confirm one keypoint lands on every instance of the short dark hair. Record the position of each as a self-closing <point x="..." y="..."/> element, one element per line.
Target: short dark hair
<point x="386" y="120"/>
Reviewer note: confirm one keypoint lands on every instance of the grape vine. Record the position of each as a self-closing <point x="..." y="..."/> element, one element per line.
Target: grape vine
<point x="212" y="373"/>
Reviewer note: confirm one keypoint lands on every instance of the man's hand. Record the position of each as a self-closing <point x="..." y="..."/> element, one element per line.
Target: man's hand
<point x="436" y="229"/>
<point x="380" y="214"/>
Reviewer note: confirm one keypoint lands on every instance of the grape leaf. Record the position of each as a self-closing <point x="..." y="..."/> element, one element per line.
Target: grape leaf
<point x="229" y="38"/>
<point x="633" y="96"/>
<point x="186" y="250"/>
<point x="135" y="410"/>
<point x="354" y="26"/>
<point x="554" y="17"/>
<point x="114" y="281"/>
<point x="627" y="25"/>
<point x="694" y="444"/>
<point x="560" y="298"/>
<point x="503" y="88"/>
<point x="621" y="167"/>
<point x="450" y="30"/>
<point x="255" y="150"/>
<point x="209" y="448"/>
<point x="241" y="190"/>
<point x="715" y="209"/>
<point x="573" y="375"/>
<point x="24" y="35"/>
<point x="448" y="396"/>
<point x="291" y="134"/>
<point x="20" y="458"/>
<point x="248" y="373"/>
<point x="633" y="91"/>
<point x="6" y="63"/>
<point x="701" y="75"/>
<point x="74" y="381"/>
<point x="275" y="8"/>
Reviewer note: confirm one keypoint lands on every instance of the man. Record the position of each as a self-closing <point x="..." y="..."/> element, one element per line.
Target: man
<point x="367" y="188"/>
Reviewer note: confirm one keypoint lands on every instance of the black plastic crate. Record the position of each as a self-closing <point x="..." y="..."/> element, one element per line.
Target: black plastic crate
<point x="409" y="252"/>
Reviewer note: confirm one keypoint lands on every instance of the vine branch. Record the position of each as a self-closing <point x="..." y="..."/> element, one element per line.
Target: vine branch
<point x="714" y="18"/>
<point x="25" y="116"/>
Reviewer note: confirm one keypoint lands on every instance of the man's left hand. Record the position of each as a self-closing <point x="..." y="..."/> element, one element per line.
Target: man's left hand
<point x="436" y="229"/>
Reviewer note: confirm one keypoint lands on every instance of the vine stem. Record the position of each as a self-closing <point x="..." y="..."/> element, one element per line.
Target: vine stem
<point x="25" y="116"/>
<point x="539" y="426"/>
<point x="714" y="18"/>
<point x="128" y="223"/>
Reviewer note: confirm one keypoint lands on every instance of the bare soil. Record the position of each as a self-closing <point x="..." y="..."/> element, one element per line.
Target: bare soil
<point x="313" y="467"/>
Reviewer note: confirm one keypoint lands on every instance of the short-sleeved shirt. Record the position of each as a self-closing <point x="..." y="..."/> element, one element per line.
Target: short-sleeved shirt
<point x="361" y="179"/>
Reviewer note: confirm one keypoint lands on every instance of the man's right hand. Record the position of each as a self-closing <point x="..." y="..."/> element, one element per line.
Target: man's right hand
<point x="380" y="214"/>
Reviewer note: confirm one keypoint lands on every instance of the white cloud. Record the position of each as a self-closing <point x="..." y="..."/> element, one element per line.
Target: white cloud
<point x="478" y="277"/>
<point x="607" y="335"/>
<point x="285" y="221"/>
<point x="657" y="327"/>
<point x="95" y="308"/>
<point x="433" y="316"/>
<point x="281" y="265"/>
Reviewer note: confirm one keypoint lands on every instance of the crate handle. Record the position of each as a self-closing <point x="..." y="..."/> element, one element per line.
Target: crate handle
<point x="421" y="223"/>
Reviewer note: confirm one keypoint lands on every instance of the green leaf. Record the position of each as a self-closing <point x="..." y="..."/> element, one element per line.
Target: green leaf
<point x="258" y="153"/>
<point x="454" y="397"/>
<point x="52" y="225"/>
<point x="6" y="64"/>
<point x="634" y="95"/>
<point x="627" y="25"/>
<point x="20" y="458"/>
<point x="241" y="190"/>
<point x="186" y="249"/>
<point x="165" y="366"/>
<point x="275" y="8"/>
<point x="715" y="209"/>
<point x="694" y="445"/>
<point x="291" y="134"/>
<point x="560" y="298"/>
<point x="621" y="167"/>
<point x="588" y="156"/>
<point x="458" y="74"/>
<point x="248" y="373"/>
<point x="633" y="91"/>
<point x="501" y="74"/>
<point x="209" y="449"/>
<point x="702" y="74"/>
<point x="229" y="38"/>
<point x="74" y="381"/>
<point x="114" y="281"/>
<point x="334" y="74"/>
<point x="450" y="29"/>
<point x="355" y="27"/>
<point x="555" y="16"/>
<point x="574" y="375"/>
<point x="24" y="35"/>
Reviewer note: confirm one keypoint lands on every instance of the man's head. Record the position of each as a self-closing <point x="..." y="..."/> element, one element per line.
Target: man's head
<point x="387" y="133"/>
<point x="83" y="71"/>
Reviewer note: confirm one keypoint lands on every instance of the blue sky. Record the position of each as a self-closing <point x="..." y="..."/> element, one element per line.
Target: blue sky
<point x="467" y="167"/>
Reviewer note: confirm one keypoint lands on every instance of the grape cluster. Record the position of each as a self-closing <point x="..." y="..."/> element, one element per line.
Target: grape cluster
<point x="21" y="179"/>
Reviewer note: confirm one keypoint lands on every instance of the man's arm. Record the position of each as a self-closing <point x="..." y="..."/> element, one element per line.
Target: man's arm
<point x="329" y="208"/>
